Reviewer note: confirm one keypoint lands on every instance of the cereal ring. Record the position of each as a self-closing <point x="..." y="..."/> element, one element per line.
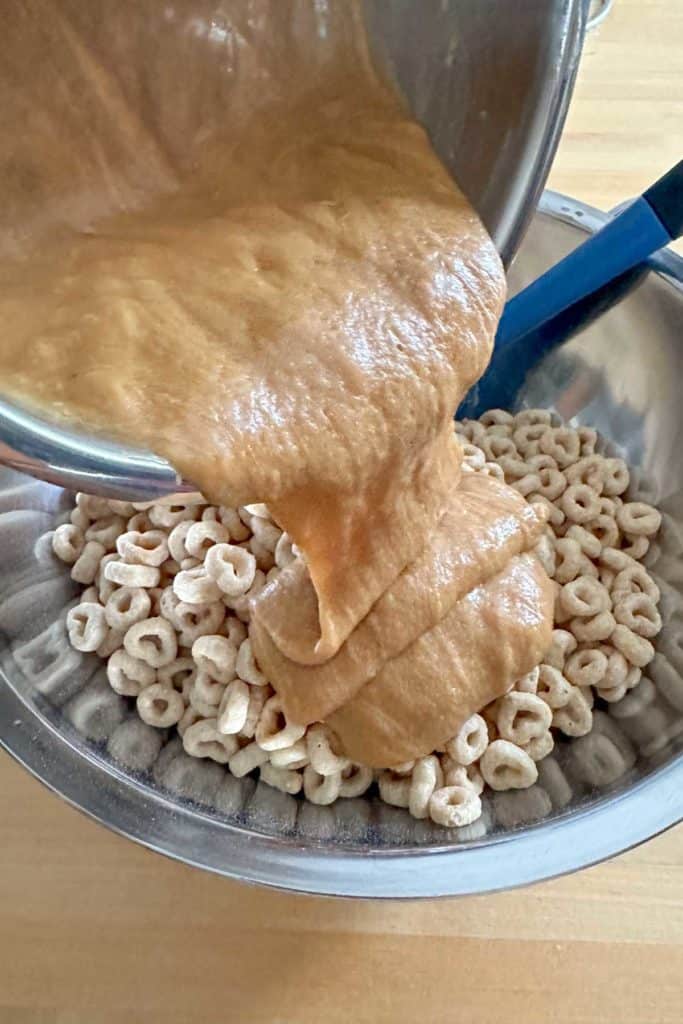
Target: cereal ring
<point x="496" y="417"/>
<point x="615" y="477"/>
<point x="529" y="682"/>
<point x="207" y="689"/>
<point x="106" y="530"/>
<point x="540" y="746"/>
<point x="588" y="439"/>
<point x="283" y="552"/>
<point x="580" y="503"/>
<point x="284" y="779"/>
<point x="473" y="430"/>
<point x="542" y="461"/>
<point x="323" y="750"/>
<point x="639" y="613"/>
<point x="246" y="666"/>
<point x="562" y="443"/>
<point x="554" y="515"/>
<point x="599" y="627"/>
<point x="85" y="567"/>
<point x="617" y="667"/>
<point x="273" y="730"/>
<point x="533" y="417"/>
<point x="394" y="790"/>
<point x="321" y="789"/>
<point x="427" y="776"/>
<point x="127" y="574"/>
<point x="355" y="780"/>
<point x="246" y="760"/>
<point x="530" y="483"/>
<point x="168" y="516"/>
<point x="494" y="470"/>
<point x="180" y="674"/>
<point x="636" y="547"/>
<point x="231" y="520"/>
<point x="553" y="688"/>
<point x="92" y="506"/>
<point x="470" y="742"/>
<point x="293" y="757"/>
<point x="195" y="620"/>
<point x="152" y="641"/>
<point x="233" y="708"/>
<point x="128" y="675"/>
<point x="86" y="626"/>
<point x="639" y="519"/>
<point x="513" y="468"/>
<point x="266" y="533"/>
<point x="232" y="567"/>
<point x="215" y="655"/>
<point x="494" y="447"/>
<point x="265" y="558"/>
<point x="149" y="548"/>
<point x="522" y="716"/>
<point x="584" y="597"/>
<point x="588" y="471"/>
<point x="590" y="545"/>
<point x="506" y="766"/>
<point x="551" y="483"/>
<point x="454" y="806"/>
<point x="636" y="649"/>
<point x="125" y="509"/>
<point x="139" y="523"/>
<point x="160" y="706"/>
<point x="196" y="586"/>
<point x="127" y="606"/>
<point x="68" y="542"/>
<point x="465" y="775"/>
<point x="204" y="740"/>
<point x="258" y="695"/>
<point x="569" y="560"/>
<point x="203" y="535"/>
<point x="235" y="630"/>
<point x="176" y="540"/>
<point x="616" y="560"/>
<point x="587" y="667"/>
<point x="575" y="718"/>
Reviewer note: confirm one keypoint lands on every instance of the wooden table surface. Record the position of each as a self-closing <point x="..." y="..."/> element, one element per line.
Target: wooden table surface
<point x="95" y="930"/>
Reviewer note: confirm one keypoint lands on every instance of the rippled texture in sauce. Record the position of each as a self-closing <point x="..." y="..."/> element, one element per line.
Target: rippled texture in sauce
<point x="258" y="269"/>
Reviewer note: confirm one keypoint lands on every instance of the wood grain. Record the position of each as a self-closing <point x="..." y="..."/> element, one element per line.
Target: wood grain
<point x="95" y="930"/>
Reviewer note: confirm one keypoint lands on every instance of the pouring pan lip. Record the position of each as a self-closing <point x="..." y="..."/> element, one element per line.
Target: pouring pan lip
<point x="602" y="828"/>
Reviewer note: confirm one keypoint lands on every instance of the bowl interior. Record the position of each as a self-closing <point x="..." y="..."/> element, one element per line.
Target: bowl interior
<point x="618" y="373"/>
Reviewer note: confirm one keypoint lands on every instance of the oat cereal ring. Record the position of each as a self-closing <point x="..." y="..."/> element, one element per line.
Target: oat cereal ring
<point x="588" y="439"/>
<point x="587" y="471"/>
<point x="612" y="694"/>
<point x="528" y="484"/>
<point x="90" y="595"/>
<point x="617" y="667"/>
<point x="246" y="666"/>
<point x="590" y="545"/>
<point x="587" y="667"/>
<point x="506" y="766"/>
<point x="634" y="579"/>
<point x="533" y="417"/>
<point x="473" y="430"/>
<point x="393" y="789"/>
<point x="203" y="740"/>
<point x="232" y="522"/>
<point x="554" y="515"/>
<point x="190" y="716"/>
<point x="283" y="551"/>
<point x="580" y="503"/>
<point x="494" y="470"/>
<point x="636" y="547"/>
<point x="551" y="483"/>
<point x="127" y="675"/>
<point x="180" y="674"/>
<point x="639" y="519"/>
<point x="106" y="531"/>
<point x="79" y="519"/>
<point x="92" y="506"/>
<point x="615" y="477"/>
<point x="246" y="759"/>
<point x="513" y="467"/>
<point x="529" y="682"/>
<point x="540" y="746"/>
<point x="355" y="780"/>
<point x="293" y="757"/>
<point x="465" y="775"/>
<point x="454" y="806"/>
<point x="126" y="574"/>
<point x="496" y="417"/>
<point x="203" y="535"/>
<point x="495" y="447"/>
<point x="321" y="789"/>
<point x="284" y="779"/>
<point x="639" y="613"/>
<point x="169" y="569"/>
<point x="152" y="641"/>
<point x="569" y="560"/>
<point x="196" y="586"/>
<point x="522" y="716"/>
<point x="528" y="436"/>
<point x="68" y="542"/>
<point x="160" y="706"/>
<point x="112" y="642"/>
<point x="265" y="558"/>
<point x="575" y="718"/>
<point x="189" y="563"/>
<point x="139" y="523"/>
<point x="470" y="742"/>
<point x="427" y="776"/>
<point x="149" y="548"/>
<point x="168" y="516"/>
<point x="233" y="568"/>
<point x="126" y="606"/>
<point x="216" y="655"/>
<point x="85" y="567"/>
<point x="266" y="533"/>
<point x="617" y="560"/>
<point x="562" y="443"/>
<point x="86" y="626"/>
<point x="208" y="689"/>
<point x="202" y="707"/>
<point x="636" y="649"/>
<point x="598" y="627"/>
<point x="235" y="630"/>
<point x="176" y="540"/>
<point x="258" y="695"/>
<point x="210" y="515"/>
<point x="607" y="577"/>
<point x="273" y="731"/>
<point x="584" y="597"/>
<point x="234" y="708"/>
<point x="553" y="688"/>
<point x="105" y="588"/>
<point x="323" y="750"/>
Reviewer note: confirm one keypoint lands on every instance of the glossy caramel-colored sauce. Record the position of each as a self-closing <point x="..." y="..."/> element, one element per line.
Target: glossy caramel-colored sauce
<point x="268" y="278"/>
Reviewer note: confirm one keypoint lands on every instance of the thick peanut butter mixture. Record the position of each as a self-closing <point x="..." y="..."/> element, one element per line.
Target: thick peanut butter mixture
<point x="257" y="267"/>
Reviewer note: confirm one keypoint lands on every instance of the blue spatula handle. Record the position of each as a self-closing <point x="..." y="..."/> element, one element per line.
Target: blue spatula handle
<point x="649" y="223"/>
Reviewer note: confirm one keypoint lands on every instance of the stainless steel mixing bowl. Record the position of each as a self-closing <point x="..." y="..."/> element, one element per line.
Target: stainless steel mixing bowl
<point x="596" y="795"/>
<point x="489" y="79"/>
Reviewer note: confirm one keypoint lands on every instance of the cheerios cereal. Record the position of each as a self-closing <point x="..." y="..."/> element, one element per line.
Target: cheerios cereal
<point x="166" y="602"/>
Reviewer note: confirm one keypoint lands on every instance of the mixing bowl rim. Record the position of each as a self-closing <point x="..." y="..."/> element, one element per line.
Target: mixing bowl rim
<point x="543" y="850"/>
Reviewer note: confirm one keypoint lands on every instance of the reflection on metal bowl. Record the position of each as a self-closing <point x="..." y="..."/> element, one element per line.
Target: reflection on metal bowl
<point x="595" y="796"/>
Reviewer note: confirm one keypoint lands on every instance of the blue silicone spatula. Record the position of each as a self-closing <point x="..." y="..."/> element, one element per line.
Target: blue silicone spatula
<point x="650" y="222"/>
